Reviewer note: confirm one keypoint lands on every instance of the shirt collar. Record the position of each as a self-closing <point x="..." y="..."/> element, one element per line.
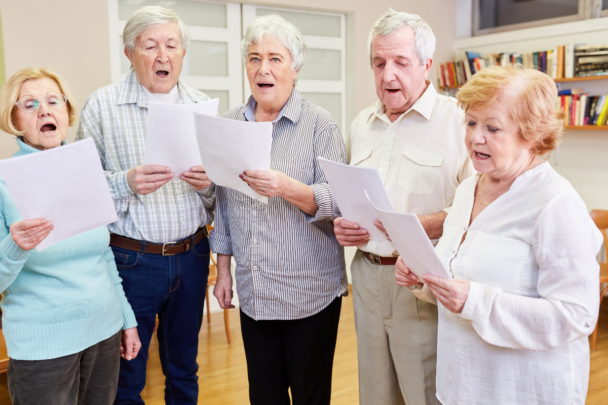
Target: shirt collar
<point x="132" y="93"/>
<point x="291" y="110"/>
<point x="424" y="104"/>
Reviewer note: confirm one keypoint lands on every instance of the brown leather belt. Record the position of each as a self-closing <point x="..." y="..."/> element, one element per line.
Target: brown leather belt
<point x="380" y="260"/>
<point x="165" y="249"/>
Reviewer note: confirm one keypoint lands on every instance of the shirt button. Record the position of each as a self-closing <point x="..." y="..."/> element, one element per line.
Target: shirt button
<point x="255" y="241"/>
<point x="253" y="213"/>
<point x="255" y="267"/>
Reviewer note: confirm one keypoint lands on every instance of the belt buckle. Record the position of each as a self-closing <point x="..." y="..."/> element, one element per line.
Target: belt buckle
<point x="165" y="245"/>
<point x="375" y="259"/>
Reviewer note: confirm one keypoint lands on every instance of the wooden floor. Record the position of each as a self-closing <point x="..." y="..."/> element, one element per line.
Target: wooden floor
<point x="223" y="373"/>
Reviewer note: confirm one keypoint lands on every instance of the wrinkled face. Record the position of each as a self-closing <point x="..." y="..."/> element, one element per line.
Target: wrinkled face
<point x="399" y="75"/>
<point x="158" y="57"/>
<point x="494" y="145"/>
<point x="46" y="127"/>
<point x="269" y="72"/>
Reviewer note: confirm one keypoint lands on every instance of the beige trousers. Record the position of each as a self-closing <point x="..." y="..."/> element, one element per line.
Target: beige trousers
<point x="396" y="338"/>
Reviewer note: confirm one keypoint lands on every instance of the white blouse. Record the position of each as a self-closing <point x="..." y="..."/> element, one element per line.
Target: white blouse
<point x="534" y="298"/>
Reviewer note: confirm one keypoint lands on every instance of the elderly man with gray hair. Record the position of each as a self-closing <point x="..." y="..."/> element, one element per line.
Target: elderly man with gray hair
<point x="160" y="240"/>
<point x="415" y="138"/>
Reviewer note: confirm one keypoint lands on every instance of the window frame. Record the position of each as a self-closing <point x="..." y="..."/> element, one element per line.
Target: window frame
<point x="231" y="35"/>
<point x="583" y="10"/>
<point x="315" y="42"/>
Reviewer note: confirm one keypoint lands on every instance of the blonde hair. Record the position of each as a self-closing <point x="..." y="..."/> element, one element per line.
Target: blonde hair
<point x="529" y="97"/>
<point x="10" y="93"/>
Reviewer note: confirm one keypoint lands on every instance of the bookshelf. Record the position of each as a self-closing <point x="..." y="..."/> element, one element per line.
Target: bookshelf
<point x="569" y="80"/>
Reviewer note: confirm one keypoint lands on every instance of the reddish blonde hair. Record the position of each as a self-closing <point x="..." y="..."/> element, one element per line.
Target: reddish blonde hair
<point x="530" y="99"/>
<point x="10" y="93"/>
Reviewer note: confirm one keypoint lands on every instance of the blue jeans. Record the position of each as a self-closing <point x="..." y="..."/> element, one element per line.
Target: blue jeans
<point x="174" y="288"/>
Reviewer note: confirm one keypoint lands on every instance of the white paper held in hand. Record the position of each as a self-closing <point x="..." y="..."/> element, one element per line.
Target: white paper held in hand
<point x="65" y="185"/>
<point x="229" y="147"/>
<point x="171" y="139"/>
<point x="348" y="185"/>
<point x="411" y="241"/>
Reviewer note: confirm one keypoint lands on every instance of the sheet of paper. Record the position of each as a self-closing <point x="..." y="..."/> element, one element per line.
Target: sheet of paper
<point x="171" y="140"/>
<point x="411" y="241"/>
<point x="65" y="185"/>
<point x="348" y="185"/>
<point x="229" y="147"/>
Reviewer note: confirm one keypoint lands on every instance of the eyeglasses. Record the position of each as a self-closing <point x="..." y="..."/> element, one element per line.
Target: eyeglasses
<point x="30" y="105"/>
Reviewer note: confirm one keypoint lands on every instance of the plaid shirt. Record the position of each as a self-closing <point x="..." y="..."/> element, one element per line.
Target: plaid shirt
<point x="116" y="117"/>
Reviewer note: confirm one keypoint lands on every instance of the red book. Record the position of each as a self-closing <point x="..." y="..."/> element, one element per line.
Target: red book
<point x="443" y="78"/>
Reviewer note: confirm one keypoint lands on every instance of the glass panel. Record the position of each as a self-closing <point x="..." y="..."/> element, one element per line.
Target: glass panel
<point x="191" y="12"/>
<point x="205" y="58"/>
<point x="322" y="64"/>
<point x="605" y="5"/>
<point x="308" y="23"/>
<point x="125" y="63"/>
<point x="332" y="102"/>
<point x="498" y="13"/>
<point x="223" y="96"/>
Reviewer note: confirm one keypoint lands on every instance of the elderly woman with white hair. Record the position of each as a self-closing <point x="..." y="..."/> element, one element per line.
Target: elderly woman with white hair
<point x="290" y="271"/>
<point x="160" y="240"/>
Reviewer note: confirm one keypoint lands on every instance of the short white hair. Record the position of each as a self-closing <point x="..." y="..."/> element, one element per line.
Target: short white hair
<point x="393" y="21"/>
<point x="287" y="33"/>
<point x="148" y="17"/>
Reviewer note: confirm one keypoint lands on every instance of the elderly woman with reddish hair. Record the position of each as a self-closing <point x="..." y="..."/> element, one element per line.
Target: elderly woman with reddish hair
<point x="521" y="249"/>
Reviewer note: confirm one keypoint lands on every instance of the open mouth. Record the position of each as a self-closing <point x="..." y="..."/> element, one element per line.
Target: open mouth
<point x="480" y="155"/>
<point x="48" y="128"/>
<point x="162" y="73"/>
<point x="393" y="90"/>
<point x="265" y="85"/>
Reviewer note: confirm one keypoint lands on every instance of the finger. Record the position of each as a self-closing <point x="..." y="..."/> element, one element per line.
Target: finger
<point x="149" y="169"/>
<point x="198" y="169"/>
<point x="129" y="349"/>
<point x="153" y="178"/>
<point x="353" y="232"/>
<point x="356" y="238"/>
<point x="438" y="281"/>
<point x="349" y="224"/>
<point x="258" y="174"/>
<point x="379" y="225"/>
<point x="33" y="223"/>
<point x="151" y="187"/>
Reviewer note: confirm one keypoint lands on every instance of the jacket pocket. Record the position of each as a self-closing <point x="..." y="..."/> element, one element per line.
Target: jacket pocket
<point x="419" y="170"/>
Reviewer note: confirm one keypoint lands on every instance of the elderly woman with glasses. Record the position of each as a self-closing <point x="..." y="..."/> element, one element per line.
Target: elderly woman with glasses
<point x="290" y="271"/>
<point x="63" y="309"/>
<point x="520" y="248"/>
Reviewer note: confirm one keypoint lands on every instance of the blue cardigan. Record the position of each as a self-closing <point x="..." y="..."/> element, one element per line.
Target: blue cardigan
<point x="62" y="300"/>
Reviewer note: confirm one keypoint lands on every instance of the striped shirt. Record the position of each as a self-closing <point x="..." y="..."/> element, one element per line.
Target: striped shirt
<point x="289" y="264"/>
<point x="116" y="117"/>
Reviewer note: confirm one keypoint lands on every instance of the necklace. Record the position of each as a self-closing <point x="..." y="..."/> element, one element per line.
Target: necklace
<point x="483" y="181"/>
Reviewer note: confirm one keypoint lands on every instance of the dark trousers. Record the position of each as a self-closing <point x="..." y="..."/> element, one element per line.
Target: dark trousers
<point x="85" y="378"/>
<point x="296" y="354"/>
<point x="174" y="288"/>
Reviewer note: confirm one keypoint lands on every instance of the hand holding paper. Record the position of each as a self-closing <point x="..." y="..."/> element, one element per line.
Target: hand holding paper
<point x="65" y="185"/>
<point x="348" y="185"/>
<point x="411" y="241"/>
<point x="229" y="147"/>
<point x="170" y="138"/>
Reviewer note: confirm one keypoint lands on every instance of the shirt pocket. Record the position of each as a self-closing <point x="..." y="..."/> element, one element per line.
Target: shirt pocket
<point x="497" y="261"/>
<point x="362" y="157"/>
<point x="419" y="170"/>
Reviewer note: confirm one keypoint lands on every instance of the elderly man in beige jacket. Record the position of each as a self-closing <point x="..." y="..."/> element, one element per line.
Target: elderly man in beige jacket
<point x="415" y="138"/>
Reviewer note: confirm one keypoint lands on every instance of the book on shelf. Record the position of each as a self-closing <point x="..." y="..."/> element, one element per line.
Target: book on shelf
<point x="581" y="109"/>
<point x="562" y="62"/>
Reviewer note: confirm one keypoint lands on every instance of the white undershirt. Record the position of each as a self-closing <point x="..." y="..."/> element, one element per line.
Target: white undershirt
<point x="170" y="98"/>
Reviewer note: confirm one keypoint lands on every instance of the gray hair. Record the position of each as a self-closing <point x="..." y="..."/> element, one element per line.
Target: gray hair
<point x="393" y="21"/>
<point x="287" y="33"/>
<point x="148" y="17"/>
